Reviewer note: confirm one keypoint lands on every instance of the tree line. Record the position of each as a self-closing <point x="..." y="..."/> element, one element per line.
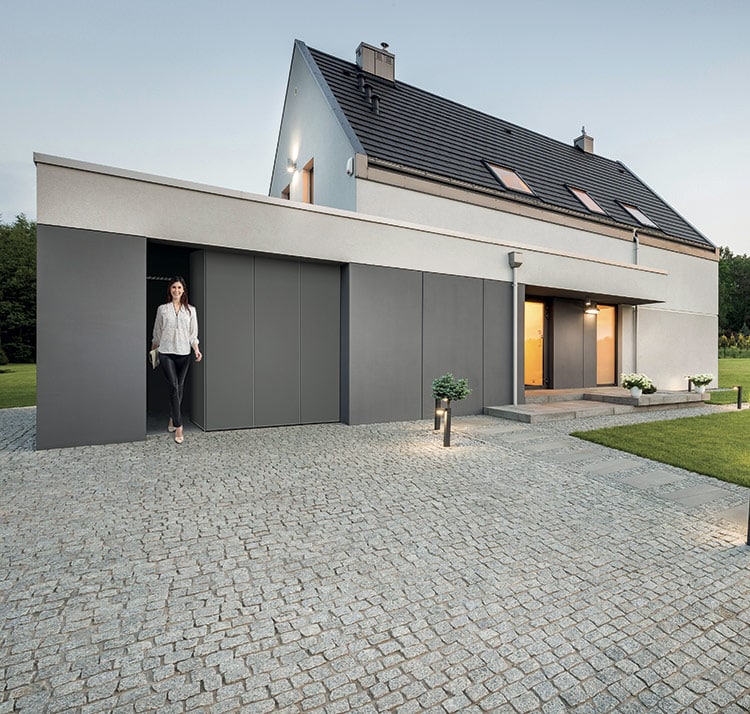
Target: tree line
<point x="734" y="304"/>
<point x="18" y="291"/>
<point x="18" y="296"/>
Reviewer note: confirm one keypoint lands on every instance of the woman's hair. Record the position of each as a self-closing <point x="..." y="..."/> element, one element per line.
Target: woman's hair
<point x="184" y="298"/>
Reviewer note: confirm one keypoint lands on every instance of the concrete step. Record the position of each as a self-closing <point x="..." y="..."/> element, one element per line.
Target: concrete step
<point x="576" y="409"/>
<point x="579" y="404"/>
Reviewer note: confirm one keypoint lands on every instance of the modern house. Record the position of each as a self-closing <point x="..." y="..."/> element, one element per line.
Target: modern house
<point x="405" y="236"/>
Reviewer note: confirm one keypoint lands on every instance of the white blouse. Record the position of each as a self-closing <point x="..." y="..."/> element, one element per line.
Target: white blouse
<point x="175" y="332"/>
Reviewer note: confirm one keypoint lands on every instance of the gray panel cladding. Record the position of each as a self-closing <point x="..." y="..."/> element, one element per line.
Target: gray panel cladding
<point x="270" y="333"/>
<point x="320" y="308"/>
<point x="227" y="340"/>
<point x="197" y="375"/>
<point x="91" y="337"/>
<point x="277" y="342"/>
<point x="453" y="337"/>
<point x="384" y="343"/>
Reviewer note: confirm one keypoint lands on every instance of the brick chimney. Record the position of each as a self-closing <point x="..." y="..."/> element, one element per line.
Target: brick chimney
<point x="584" y="142"/>
<point x="376" y="61"/>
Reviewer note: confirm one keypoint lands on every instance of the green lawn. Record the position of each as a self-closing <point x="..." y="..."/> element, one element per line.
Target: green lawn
<point x="17" y="385"/>
<point x="731" y="373"/>
<point x="715" y="445"/>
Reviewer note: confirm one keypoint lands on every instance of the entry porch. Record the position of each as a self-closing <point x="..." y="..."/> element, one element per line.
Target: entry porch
<point x="547" y="404"/>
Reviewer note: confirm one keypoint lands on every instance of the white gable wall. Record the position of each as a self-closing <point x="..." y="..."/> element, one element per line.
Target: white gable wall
<point x="310" y="130"/>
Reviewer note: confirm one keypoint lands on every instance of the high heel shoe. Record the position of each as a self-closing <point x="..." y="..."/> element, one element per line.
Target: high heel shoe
<point x="170" y="427"/>
<point x="179" y="438"/>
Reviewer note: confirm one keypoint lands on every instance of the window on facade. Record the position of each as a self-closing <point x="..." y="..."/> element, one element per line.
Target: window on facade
<point x="586" y="200"/>
<point x="606" y="331"/>
<point x="308" y="183"/>
<point x="286" y="192"/>
<point x="639" y="215"/>
<point x="509" y="178"/>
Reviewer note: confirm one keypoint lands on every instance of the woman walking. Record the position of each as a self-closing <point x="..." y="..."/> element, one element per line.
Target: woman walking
<point x="175" y="334"/>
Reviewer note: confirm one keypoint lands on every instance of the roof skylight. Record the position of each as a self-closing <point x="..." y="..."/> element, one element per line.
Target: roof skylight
<point x="639" y="215"/>
<point x="586" y="200"/>
<point x="509" y="178"/>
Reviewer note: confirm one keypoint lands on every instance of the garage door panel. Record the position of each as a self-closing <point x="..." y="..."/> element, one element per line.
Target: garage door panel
<point x="320" y="300"/>
<point x="277" y="342"/>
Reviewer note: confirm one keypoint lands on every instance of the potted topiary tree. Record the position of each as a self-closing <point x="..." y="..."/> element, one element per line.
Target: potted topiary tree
<point x="446" y="389"/>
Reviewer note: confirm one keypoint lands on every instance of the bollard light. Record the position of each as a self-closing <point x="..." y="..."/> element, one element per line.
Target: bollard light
<point x="447" y="426"/>
<point x="739" y="396"/>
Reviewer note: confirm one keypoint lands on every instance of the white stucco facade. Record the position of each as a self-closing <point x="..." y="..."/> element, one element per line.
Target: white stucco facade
<point x="675" y="334"/>
<point x="91" y="197"/>
<point x="671" y="334"/>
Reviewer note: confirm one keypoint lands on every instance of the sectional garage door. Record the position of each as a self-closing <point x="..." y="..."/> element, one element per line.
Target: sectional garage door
<point x="270" y="332"/>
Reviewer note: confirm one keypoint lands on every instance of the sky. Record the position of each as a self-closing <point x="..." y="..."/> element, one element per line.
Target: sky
<point x="194" y="89"/>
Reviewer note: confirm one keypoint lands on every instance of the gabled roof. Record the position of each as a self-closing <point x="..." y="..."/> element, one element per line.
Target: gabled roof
<point x="420" y="132"/>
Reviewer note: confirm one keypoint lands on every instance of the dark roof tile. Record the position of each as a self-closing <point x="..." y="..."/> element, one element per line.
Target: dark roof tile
<point x="427" y="133"/>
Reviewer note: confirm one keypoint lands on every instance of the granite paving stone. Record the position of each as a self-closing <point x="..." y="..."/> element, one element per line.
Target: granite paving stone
<point x="653" y="478"/>
<point x="333" y="568"/>
<point x="696" y="495"/>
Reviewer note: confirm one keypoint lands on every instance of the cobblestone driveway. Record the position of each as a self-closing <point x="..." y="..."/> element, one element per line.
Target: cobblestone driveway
<point x="369" y="569"/>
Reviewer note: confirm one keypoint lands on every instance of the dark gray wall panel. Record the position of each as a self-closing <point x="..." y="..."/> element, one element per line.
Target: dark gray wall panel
<point x="277" y="342"/>
<point x="498" y="345"/>
<point x="453" y="340"/>
<point x="197" y="376"/>
<point x="589" y="350"/>
<point x="384" y="306"/>
<point x="567" y="345"/>
<point x="228" y="340"/>
<point x="320" y="297"/>
<point x="91" y="337"/>
<point x="344" y="392"/>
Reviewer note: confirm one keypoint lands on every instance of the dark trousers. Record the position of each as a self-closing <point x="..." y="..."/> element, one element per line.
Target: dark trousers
<point x="175" y="369"/>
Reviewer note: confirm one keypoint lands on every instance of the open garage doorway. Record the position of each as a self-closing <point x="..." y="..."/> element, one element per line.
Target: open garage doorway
<point x="163" y="262"/>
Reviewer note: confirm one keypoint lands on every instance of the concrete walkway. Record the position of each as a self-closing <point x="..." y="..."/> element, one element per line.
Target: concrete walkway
<point x="368" y="569"/>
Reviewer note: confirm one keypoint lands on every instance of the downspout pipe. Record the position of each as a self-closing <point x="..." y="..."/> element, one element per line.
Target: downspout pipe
<point x="636" y="246"/>
<point x="515" y="260"/>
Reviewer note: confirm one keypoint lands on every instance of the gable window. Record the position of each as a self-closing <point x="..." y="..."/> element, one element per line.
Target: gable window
<point x="639" y="215"/>
<point x="308" y="183"/>
<point x="586" y="200"/>
<point x="509" y="179"/>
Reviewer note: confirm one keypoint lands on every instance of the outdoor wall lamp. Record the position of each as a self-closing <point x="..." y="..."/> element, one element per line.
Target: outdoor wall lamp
<point x="591" y="308"/>
<point x="291" y="165"/>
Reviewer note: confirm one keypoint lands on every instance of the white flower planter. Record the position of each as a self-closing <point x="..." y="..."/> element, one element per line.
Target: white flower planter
<point x="700" y="388"/>
<point x="636" y="392"/>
